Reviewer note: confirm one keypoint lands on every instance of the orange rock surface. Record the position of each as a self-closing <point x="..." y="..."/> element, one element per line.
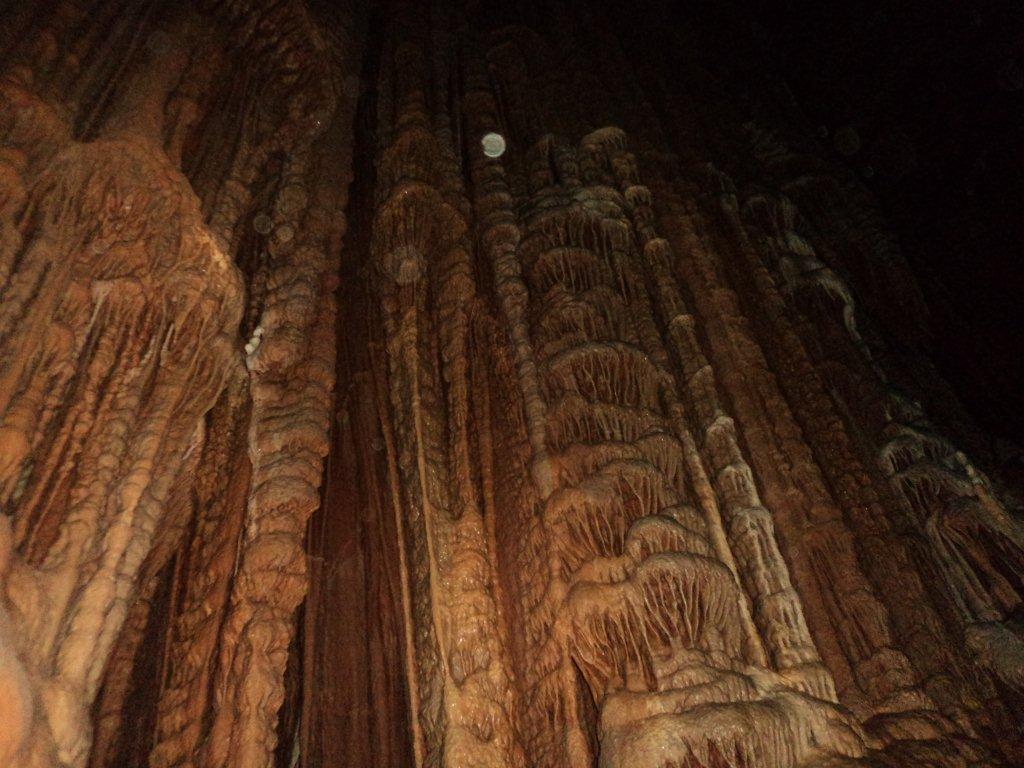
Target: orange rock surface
<point x="329" y="438"/>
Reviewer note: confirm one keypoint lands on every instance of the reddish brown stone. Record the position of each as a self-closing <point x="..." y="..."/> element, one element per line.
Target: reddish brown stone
<point x="579" y="453"/>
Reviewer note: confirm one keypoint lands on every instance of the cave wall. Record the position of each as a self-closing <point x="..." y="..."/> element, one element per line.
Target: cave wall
<point x="329" y="438"/>
<point x="173" y="176"/>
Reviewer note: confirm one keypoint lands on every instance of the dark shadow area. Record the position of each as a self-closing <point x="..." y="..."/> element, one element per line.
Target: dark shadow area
<point x="925" y="103"/>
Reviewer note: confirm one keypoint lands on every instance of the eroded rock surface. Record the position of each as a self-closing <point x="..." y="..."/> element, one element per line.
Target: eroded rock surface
<point x="336" y="431"/>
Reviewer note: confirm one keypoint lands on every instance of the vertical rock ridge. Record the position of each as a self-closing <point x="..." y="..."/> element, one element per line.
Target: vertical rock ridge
<point x="441" y="384"/>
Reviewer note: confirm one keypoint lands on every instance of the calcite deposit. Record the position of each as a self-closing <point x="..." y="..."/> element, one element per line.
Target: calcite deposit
<point x="406" y="384"/>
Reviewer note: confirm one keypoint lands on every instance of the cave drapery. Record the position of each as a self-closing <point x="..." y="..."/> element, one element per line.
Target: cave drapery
<point x="328" y="438"/>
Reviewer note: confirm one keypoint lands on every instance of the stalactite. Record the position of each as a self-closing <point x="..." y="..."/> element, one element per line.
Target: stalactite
<point x="385" y="385"/>
<point x="926" y="478"/>
<point x="112" y="244"/>
<point x="421" y="250"/>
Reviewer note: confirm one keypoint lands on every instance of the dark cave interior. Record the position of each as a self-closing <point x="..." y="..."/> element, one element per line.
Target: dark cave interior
<point x="934" y="95"/>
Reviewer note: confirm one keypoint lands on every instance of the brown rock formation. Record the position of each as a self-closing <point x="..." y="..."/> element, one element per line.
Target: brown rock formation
<point x="620" y="470"/>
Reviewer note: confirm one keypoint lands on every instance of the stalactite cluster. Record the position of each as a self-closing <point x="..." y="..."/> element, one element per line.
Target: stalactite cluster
<point x="159" y="208"/>
<point x="334" y="434"/>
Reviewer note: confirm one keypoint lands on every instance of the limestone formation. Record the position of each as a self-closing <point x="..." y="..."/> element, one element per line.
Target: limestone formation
<point x="390" y="385"/>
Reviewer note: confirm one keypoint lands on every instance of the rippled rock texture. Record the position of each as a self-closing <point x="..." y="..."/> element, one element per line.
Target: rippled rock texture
<point x="328" y="437"/>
